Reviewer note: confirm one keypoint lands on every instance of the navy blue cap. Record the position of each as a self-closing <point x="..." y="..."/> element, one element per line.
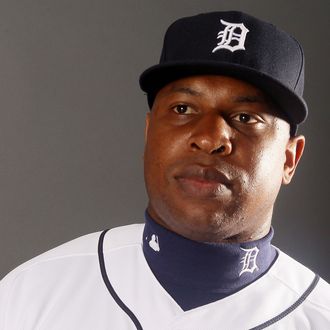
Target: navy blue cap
<point x="238" y="45"/>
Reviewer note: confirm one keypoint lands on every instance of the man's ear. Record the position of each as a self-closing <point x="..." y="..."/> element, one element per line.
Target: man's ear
<point x="146" y="127"/>
<point x="293" y="153"/>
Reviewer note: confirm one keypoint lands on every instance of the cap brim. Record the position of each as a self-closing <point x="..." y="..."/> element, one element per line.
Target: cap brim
<point x="292" y="105"/>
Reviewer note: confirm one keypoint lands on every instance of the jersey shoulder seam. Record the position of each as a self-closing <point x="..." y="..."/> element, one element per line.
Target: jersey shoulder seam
<point x="63" y="254"/>
<point x="308" y="299"/>
<point x="317" y="304"/>
<point x="274" y="276"/>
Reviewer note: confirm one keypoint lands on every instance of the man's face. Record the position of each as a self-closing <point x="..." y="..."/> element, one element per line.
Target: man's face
<point x="215" y="157"/>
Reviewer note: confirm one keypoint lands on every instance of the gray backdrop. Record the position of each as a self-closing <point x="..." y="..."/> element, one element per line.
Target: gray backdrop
<point x="72" y="118"/>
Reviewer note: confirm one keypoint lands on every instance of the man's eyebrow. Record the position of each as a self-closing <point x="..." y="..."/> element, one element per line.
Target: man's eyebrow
<point x="185" y="90"/>
<point x="250" y="99"/>
<point x="253" y="98"/>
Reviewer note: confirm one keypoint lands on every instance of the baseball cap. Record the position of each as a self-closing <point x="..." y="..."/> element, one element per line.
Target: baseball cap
<point x="235" y="44"/>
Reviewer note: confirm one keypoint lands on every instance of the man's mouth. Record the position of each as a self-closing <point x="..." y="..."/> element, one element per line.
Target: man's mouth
<point x="203" y="182"/>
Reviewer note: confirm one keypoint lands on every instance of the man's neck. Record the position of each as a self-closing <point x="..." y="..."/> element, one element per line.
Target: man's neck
<point x="196" y="273"/>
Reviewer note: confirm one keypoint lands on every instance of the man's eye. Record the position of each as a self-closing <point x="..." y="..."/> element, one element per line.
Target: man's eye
<point x="245" y="118"/>
<point x="182" y="109"/>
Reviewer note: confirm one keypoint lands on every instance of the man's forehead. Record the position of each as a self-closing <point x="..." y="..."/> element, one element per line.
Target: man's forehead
<point x="204" y="85"/>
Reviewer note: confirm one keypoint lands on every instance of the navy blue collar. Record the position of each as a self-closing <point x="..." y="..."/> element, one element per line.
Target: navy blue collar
<point x="221" y="269"/>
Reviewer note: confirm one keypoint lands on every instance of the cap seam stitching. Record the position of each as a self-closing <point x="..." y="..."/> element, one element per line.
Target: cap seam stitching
<point x="302" y="62"/>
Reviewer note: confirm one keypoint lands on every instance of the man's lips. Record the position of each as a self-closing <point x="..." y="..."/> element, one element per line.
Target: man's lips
<point x="203" y="182"/>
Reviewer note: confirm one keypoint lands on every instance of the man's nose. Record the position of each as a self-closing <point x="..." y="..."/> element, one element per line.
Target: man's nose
<point x="211" y="134"/>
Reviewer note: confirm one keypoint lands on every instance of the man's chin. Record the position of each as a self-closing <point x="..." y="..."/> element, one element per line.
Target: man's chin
<point x="205" y="226"/>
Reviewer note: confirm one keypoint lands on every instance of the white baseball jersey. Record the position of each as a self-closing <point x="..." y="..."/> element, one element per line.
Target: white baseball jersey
<point x="104" y="282"/>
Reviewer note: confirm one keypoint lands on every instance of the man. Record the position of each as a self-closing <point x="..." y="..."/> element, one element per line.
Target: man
<point x="220" y="140"/>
